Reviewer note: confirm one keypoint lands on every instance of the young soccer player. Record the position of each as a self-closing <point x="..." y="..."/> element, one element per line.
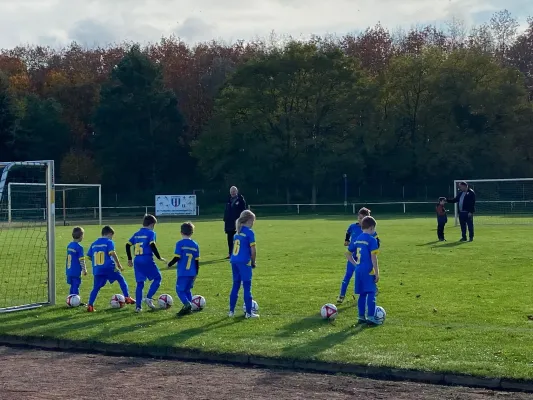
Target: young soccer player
<point x="242" y="262"/>
<point x="106" y="266"/>
<point x="144" y="266"/>
<point x="75" y="265"/>
<point x="187" y="255"/>
<point x="354" y="230"/>
<point x="442" y="218"/>
<point x="363" y="254"/>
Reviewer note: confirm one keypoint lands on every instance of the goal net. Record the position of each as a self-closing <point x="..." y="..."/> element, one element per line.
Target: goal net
<point x="75" y="203"/>
<point x="498" y="200"/>
<point x="27" y="245"/>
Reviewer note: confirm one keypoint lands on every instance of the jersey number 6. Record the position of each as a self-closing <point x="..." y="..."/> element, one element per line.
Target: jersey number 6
<point x="236" y="247"/>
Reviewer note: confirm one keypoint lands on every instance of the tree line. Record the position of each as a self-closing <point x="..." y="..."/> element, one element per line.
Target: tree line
<point x="288" y="118"/>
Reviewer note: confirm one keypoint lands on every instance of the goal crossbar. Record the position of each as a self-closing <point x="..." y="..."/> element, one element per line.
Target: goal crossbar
<point x="61" y="187"/>
<point x="525" y="200"/>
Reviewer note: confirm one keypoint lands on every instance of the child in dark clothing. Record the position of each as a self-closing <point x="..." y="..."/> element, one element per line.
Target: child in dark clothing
<point x="442" y="218"/>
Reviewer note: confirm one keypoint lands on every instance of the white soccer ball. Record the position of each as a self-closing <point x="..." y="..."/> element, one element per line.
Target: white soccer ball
<point x="198" y="303"/>
<point x="380" y="314"/>
<point x="255" y="307"/>
<point x="165" y="301"/>
<point x="117" y="301"/>
<point x="73" y="300"/>
<point x="329" y="311"/>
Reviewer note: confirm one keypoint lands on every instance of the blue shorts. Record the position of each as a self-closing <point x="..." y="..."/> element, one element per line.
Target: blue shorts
<point x="241" y="272"/>
<point x="145" y="269"/>
<point x="73" y="280"/>
<point x="111" y="277"/>
<point x="185" y="283"/>
<point x="364" y="283"/>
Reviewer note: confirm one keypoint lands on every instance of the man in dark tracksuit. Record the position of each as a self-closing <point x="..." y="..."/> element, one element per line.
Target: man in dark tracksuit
<point x="466" y="201"/>
<point x="234" y="207"/>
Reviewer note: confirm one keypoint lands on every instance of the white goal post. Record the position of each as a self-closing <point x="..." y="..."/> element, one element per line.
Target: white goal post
<point x="27" y="248"/>
<point x="499" y="198"/>
<point x="68" y="211"/>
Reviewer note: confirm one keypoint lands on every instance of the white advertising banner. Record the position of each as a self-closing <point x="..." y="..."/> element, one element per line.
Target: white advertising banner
<point x="175" y="204"/>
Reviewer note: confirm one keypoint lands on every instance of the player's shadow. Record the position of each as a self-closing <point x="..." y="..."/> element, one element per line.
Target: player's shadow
<point x="66" y="323"/>
<point x="451" y="244"/>
<point x="180" y="336"/>
<point x="428" y="243"/>
<point x="323" y="343"/>
<point x="210" y="262"/>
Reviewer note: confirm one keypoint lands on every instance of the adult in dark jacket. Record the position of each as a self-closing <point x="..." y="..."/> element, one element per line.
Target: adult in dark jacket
<point x="466" y="203"/>
<point x="234" y="207"/>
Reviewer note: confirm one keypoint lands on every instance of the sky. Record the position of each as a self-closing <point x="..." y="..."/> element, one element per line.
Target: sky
<point x="101" y="22"/>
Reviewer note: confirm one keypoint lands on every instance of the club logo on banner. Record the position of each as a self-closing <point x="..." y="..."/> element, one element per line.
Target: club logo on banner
<point x="175" y="204"/>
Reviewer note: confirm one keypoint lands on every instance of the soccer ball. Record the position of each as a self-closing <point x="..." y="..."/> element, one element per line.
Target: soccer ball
<point x="73" y="300"/>
<point x="255" y="307"/>
<point x="165" y="301"/>
<point x="117" y="301"/>
<point x="198" y="303"/>
<point x="329" y="311"/>
<point x="380" y="315"/>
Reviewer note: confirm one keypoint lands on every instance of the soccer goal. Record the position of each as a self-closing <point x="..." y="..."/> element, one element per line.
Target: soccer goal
<point x="501" y="200"/>
<point x="27" y="245"/>
<point x="75" y="203"/>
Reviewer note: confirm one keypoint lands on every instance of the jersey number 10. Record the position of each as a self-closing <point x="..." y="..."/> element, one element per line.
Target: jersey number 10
<point x="99" y="258"/>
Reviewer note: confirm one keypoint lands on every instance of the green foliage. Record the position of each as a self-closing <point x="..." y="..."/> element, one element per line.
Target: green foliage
<point x="7" y="120"/>
<point x="295" y="114"/>
<point x="41" y="134"/>
<point x="138" y="127"/>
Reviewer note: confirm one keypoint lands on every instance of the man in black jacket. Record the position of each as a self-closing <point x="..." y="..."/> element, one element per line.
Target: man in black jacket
<point x="466" y="200"/>
<point x="234" y="207"/>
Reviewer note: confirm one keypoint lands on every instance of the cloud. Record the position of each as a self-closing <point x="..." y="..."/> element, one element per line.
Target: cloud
<point x="103" y="21"/>
<point x="194" y="30"/>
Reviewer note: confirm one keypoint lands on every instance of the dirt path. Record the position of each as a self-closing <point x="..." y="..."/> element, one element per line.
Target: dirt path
<point x="35" y="374"/>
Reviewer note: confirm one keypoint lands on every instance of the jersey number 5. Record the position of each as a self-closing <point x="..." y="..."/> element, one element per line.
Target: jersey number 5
<point x="236" y="247"/>
<point x="138" y="249"/>
<point x="358" y="256"/>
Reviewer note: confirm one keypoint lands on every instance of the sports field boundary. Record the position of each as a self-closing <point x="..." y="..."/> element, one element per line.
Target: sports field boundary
<point x="244" y="360"/>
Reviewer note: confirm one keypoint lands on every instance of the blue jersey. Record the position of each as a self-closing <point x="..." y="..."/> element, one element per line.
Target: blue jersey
<point x="362" y="248"/>
<point x="74" y="256"/>
<point x="188" y="251"/>
<point x="141" y="242"/>
<point x="354" y="230"/>
<point x="100" y="254"/>
<point x="242" y="246"/>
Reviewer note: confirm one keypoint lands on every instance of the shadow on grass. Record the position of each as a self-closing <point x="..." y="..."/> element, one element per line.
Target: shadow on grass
<point x="310" y="349"/>
<point x="428" y="243"/>
<point x="177" y="337"/>
<point x="216" y="261"/>
<point x="451" y="244"/>
<point x="311" y="322"/>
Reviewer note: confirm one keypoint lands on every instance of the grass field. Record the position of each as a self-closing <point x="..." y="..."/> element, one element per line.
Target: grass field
<point x="456" y="307"/>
